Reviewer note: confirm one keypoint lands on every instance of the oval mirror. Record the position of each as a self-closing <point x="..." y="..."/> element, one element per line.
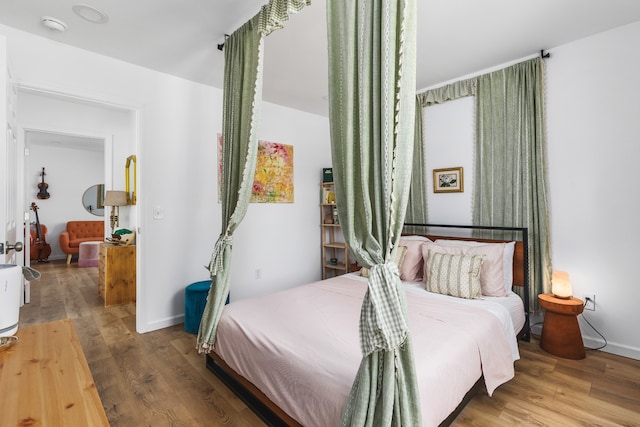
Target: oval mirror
<point x="93" y="199"/>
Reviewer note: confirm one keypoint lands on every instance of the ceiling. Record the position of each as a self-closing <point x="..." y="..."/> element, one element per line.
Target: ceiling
<point x="179" y="37"/>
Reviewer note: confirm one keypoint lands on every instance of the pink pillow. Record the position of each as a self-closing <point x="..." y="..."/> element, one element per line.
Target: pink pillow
<point x="411" y="269"/>
<point x="492" y="270"/>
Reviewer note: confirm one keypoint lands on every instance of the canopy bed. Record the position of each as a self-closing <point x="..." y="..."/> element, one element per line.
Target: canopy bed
<point x="380" y="374"/>
<point x="293" y="355"/>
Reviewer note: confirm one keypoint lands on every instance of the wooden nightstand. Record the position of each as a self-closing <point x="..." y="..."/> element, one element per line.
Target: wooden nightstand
<point x="560" y="332"/>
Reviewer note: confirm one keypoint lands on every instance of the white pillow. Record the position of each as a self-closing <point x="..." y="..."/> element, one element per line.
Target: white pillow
<point x="507" y="260"/>
<point x="492" y="273"/>
<point x="455" y="275"/>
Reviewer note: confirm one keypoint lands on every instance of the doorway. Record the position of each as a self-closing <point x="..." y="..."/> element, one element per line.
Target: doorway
<point x="72" y="144"/>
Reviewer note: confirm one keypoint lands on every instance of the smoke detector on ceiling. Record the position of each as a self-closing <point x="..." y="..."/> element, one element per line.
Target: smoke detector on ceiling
<point x="54" y="24"/>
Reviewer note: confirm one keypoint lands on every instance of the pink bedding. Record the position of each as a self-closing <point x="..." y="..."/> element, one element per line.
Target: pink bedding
<point x="300" y="347"/>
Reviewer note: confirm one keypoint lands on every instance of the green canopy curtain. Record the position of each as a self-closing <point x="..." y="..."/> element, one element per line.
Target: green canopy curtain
<point x="511" y="170"/>
<point x="510" y="151"/>
<point x="372" y="107"/>
<point x="241" y="112"/>
<point x="417" y="212"/>
<point x="448" y="92"/>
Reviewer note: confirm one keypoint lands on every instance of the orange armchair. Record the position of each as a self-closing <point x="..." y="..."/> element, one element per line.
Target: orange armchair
<point x="78" y="232"/>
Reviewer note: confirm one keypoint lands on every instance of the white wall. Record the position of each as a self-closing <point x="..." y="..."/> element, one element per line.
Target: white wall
<point x="176" y="151"/>
<point x="593" y="139"/>
<point x="283" y="240"/>
<point x="448" y="136"/>
<point x="592" y="132"/>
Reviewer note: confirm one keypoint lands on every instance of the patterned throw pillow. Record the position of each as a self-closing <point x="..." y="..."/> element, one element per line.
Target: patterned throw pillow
<point x="399" y="256"/>
<point x="491" y="272"/>
<point x="398" y="259"/>
<point x="455" y="275"/>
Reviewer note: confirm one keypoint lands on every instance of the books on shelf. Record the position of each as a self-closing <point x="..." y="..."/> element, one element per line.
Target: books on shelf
<point x="327" y="174"/>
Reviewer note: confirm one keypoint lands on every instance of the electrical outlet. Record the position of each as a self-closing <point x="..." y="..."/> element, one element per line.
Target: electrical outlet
<point x="590" y="302"/>
<point x="258" y="273"/>
<point x="158" y="212"/>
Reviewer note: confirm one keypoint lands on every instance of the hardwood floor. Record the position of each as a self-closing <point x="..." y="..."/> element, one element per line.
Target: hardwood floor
<point x="152" y="379"/>
<point x="158" y="378"/>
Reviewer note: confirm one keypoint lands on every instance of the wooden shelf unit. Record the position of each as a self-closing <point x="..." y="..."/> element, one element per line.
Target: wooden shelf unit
<point x="333" y="245"/>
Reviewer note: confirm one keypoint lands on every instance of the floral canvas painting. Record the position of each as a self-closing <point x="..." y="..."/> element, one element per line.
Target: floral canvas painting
<point x="273" y="181"/>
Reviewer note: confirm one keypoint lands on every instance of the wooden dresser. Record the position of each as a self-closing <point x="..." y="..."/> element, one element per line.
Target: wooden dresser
<point x="117" y="274"/>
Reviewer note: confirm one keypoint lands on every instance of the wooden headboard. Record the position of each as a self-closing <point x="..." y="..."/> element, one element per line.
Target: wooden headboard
<point x="520" y="255"/>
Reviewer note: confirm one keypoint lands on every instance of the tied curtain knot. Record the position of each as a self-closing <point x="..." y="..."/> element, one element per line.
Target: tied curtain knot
<point x="216" y="263"/>
<point x="382" y="323"/>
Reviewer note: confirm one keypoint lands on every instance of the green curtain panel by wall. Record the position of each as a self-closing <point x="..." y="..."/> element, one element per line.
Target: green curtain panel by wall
<point x="511" y="168"/>
<point x="241" y="114"/>
<point x="510" y="184"/>
<point x="417" y="209"/>
<point x="372" y="112"/>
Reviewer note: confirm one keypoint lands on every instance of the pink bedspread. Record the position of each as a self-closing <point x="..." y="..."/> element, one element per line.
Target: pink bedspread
<point x="301" y="348"/>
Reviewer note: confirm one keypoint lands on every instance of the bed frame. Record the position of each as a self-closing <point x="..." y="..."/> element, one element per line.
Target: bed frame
<point x="273" y="415"/>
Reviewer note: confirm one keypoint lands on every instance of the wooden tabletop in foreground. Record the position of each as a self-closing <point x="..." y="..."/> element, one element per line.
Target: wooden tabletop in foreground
<point x="45" y="380"/>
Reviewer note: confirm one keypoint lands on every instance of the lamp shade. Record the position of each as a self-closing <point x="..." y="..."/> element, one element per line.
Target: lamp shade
<point x="561" y="285"/>
<point x="115" y="198"/>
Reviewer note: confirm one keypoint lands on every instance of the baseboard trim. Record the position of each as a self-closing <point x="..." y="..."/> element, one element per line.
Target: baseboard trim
<point x="611" y="347"/>
<point x="160" y="324"/>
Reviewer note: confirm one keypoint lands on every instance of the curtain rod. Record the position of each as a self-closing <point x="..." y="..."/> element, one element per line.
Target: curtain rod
<point x="542" y="54"/>
<point x="221" y="45"/>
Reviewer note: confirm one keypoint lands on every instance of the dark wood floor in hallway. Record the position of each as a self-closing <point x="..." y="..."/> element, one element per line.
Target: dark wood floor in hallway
<point x="159" y="379"/>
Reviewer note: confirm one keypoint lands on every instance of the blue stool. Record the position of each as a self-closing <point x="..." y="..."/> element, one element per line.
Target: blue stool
<point x="195" y="298"/>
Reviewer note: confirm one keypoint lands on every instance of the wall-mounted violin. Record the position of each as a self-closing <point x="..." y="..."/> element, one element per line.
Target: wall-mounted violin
<point x="43" y="194"/>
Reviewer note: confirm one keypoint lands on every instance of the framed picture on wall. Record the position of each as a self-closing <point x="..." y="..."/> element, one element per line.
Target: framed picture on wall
<point x="448" y="180"/>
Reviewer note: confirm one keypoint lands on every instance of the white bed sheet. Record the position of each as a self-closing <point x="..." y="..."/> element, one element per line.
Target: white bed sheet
<point x="307" y="369"/>
<point x="509" y="309"/>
